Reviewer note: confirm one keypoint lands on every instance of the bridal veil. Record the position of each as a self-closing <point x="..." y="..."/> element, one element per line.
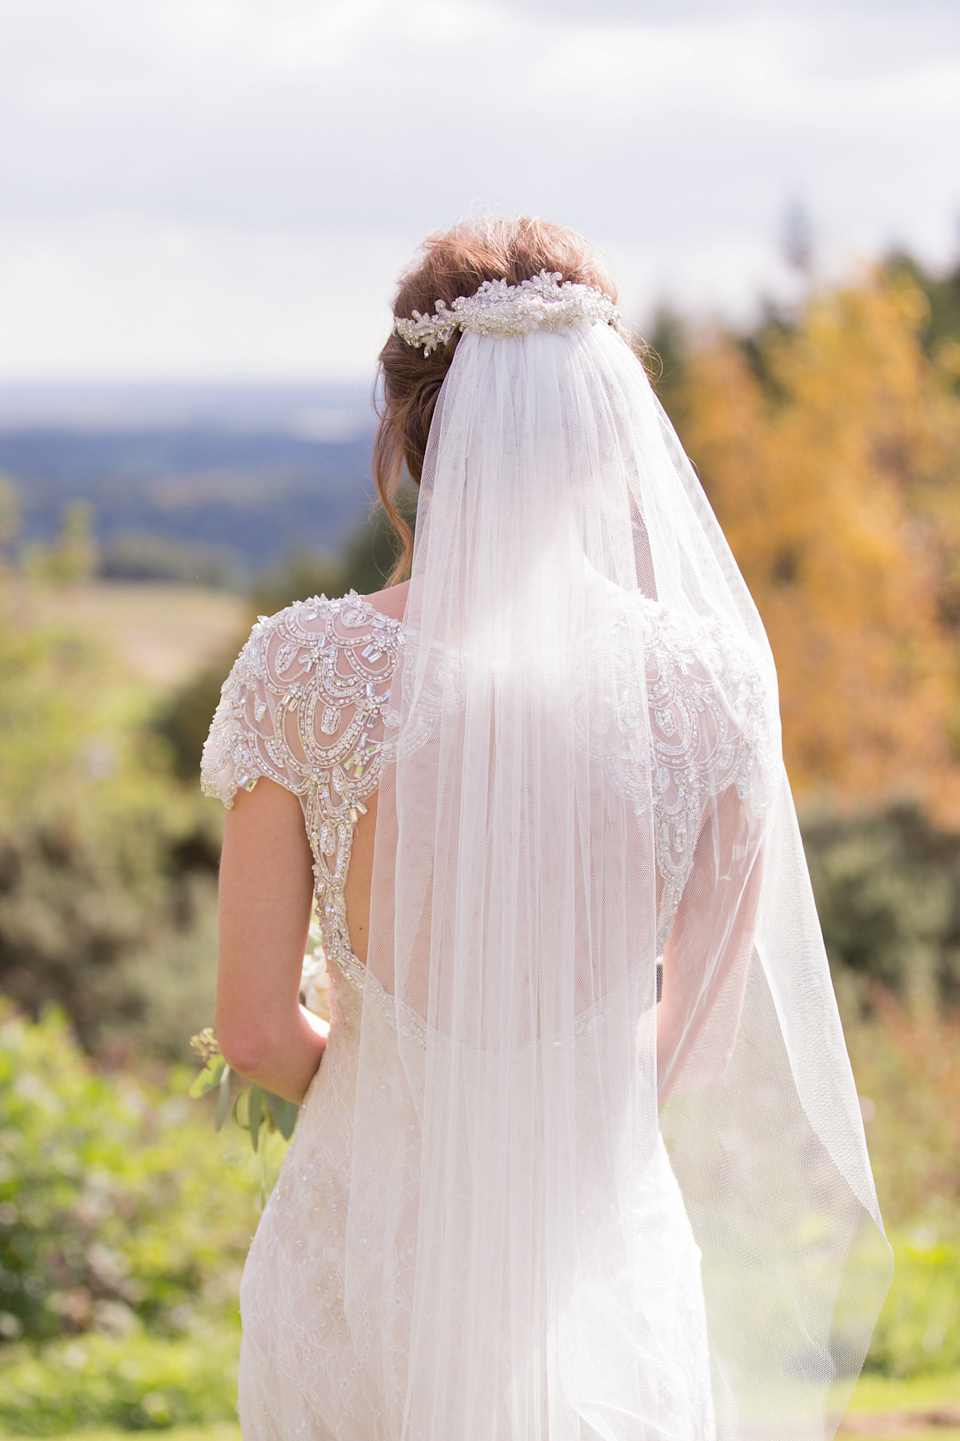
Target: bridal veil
<point x="632" y="1198"/>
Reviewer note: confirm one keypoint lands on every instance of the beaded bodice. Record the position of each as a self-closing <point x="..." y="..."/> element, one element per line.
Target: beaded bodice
<point x="303" y="705"/>
<point x="306" y="705"/>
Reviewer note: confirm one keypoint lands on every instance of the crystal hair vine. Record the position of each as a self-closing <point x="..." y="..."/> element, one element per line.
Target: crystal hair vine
<point x="547" y="302"/>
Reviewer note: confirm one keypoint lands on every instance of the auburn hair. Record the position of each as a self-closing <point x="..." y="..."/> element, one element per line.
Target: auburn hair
<point x="453" y="263"/>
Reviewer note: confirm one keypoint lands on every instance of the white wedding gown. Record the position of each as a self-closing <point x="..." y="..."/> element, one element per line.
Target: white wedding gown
<point x="304" y="706"/>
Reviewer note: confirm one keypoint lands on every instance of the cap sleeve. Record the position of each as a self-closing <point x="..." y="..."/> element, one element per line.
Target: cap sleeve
<point x="254" y="731"/>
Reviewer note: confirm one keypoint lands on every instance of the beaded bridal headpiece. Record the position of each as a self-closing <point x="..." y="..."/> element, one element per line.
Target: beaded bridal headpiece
<point x="547" y="302"/>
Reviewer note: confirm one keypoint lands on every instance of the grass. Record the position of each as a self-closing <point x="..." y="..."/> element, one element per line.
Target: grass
<point x="887" y="1408"/>
<point x="218" y="1431"/>
<point x="875" y="1399"/>
<point x="889" y="1393"/>
<point x="160" y="633"/>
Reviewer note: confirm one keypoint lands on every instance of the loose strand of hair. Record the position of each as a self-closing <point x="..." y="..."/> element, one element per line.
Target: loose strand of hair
<point x="388" y="472"/>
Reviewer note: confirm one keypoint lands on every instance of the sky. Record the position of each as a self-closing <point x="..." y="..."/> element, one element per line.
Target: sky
<point x="228" y="189"/>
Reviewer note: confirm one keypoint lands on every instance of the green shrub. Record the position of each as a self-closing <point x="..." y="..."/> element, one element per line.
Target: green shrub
<point x="182" y="719"/>
<point x="141" y="1383"/>
<point x="887" y="884"/>
<point x="142" y="555"/>
<point x="918" y="1330"/>
<point x="108" y="909"/>
<point x="117" y="1207"/>
<point x="107" y="867"/>
<point x="908" y="1076"/>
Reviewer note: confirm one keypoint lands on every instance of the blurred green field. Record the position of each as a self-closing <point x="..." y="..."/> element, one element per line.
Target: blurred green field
<point x="219" y="1431"/>
<point x="882" y="1408"/>
<point x="160" y="634"/>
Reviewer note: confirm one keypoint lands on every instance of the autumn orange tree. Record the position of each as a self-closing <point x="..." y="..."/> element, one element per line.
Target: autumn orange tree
<point x="832" y="458"/>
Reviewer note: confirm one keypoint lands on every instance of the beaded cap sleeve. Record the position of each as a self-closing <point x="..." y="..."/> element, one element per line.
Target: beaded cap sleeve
<point x="304" y="706"/>
<point x="303" y="703"/>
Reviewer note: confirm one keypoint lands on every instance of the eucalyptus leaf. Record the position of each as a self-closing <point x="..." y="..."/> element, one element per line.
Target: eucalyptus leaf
<point x="283" y="1112"/>
<point x="209" y="1077"/>
<point x="241" y="1109"/>
<point x="223" y="1099"/>
<point x="255" y="1114"/>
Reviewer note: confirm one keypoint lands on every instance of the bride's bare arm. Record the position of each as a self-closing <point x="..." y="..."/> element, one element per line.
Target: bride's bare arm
<point x="707" y="958"/>
<point x="266" y="889"/>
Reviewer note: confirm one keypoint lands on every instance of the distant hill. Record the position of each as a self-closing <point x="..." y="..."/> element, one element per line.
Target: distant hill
<point x="251" y="472"/>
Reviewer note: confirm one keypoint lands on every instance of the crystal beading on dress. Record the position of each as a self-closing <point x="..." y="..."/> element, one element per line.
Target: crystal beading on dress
<point x="547" y="302"/>
<point x="711" y="728"/>
<point x="303" y="706"/>
<point x="305" y="702"/>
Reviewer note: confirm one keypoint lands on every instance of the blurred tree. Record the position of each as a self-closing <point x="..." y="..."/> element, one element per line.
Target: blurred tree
<point x="665" y="352"/>
<point x="73" y="555"/>
<point x="110" y="913"/>
<point x="940" y="330"/>
<point x="302" y="575"/>
<point x="797" y="239"/>
<point x="9" y="511"/>
<point x="834" y="466"/>
<point x="759" y="345"/>
<point x="182" y="721"/>
<point x="887" y="886"/>
<point x="371" y="555"/>
<point x="107" y="871"/>
<point x="132" y="555"/>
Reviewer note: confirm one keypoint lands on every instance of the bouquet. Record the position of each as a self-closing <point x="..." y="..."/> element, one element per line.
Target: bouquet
<point x="254" y="1107"/>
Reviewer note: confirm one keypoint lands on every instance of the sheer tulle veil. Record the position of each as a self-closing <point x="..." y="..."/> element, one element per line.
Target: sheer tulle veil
<point x="632" y="1199"/>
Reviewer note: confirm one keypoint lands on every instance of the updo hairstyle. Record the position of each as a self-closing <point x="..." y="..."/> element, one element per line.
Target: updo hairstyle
<point x="454" y="263"/>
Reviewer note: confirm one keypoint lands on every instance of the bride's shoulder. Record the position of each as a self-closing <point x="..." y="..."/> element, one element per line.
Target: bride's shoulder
<point x="669" y="628"/>
<point x="695" y="663"/>
<point x="341" y="619"/>
<point x="353" y="611"/>
<point x="391" y="602"/>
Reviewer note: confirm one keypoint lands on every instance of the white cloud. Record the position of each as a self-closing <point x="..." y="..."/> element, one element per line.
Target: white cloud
<point x="267" y="134"/>
<point x="114" y="296"/>
<point x="313" y="38"/>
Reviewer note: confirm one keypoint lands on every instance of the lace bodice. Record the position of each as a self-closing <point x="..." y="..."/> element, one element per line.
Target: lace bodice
<point x="303" y="705"/>
<point x="710" y="730"/>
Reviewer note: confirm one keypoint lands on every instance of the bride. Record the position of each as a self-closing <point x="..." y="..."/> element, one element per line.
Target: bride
<point x="581" y="1156"/>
